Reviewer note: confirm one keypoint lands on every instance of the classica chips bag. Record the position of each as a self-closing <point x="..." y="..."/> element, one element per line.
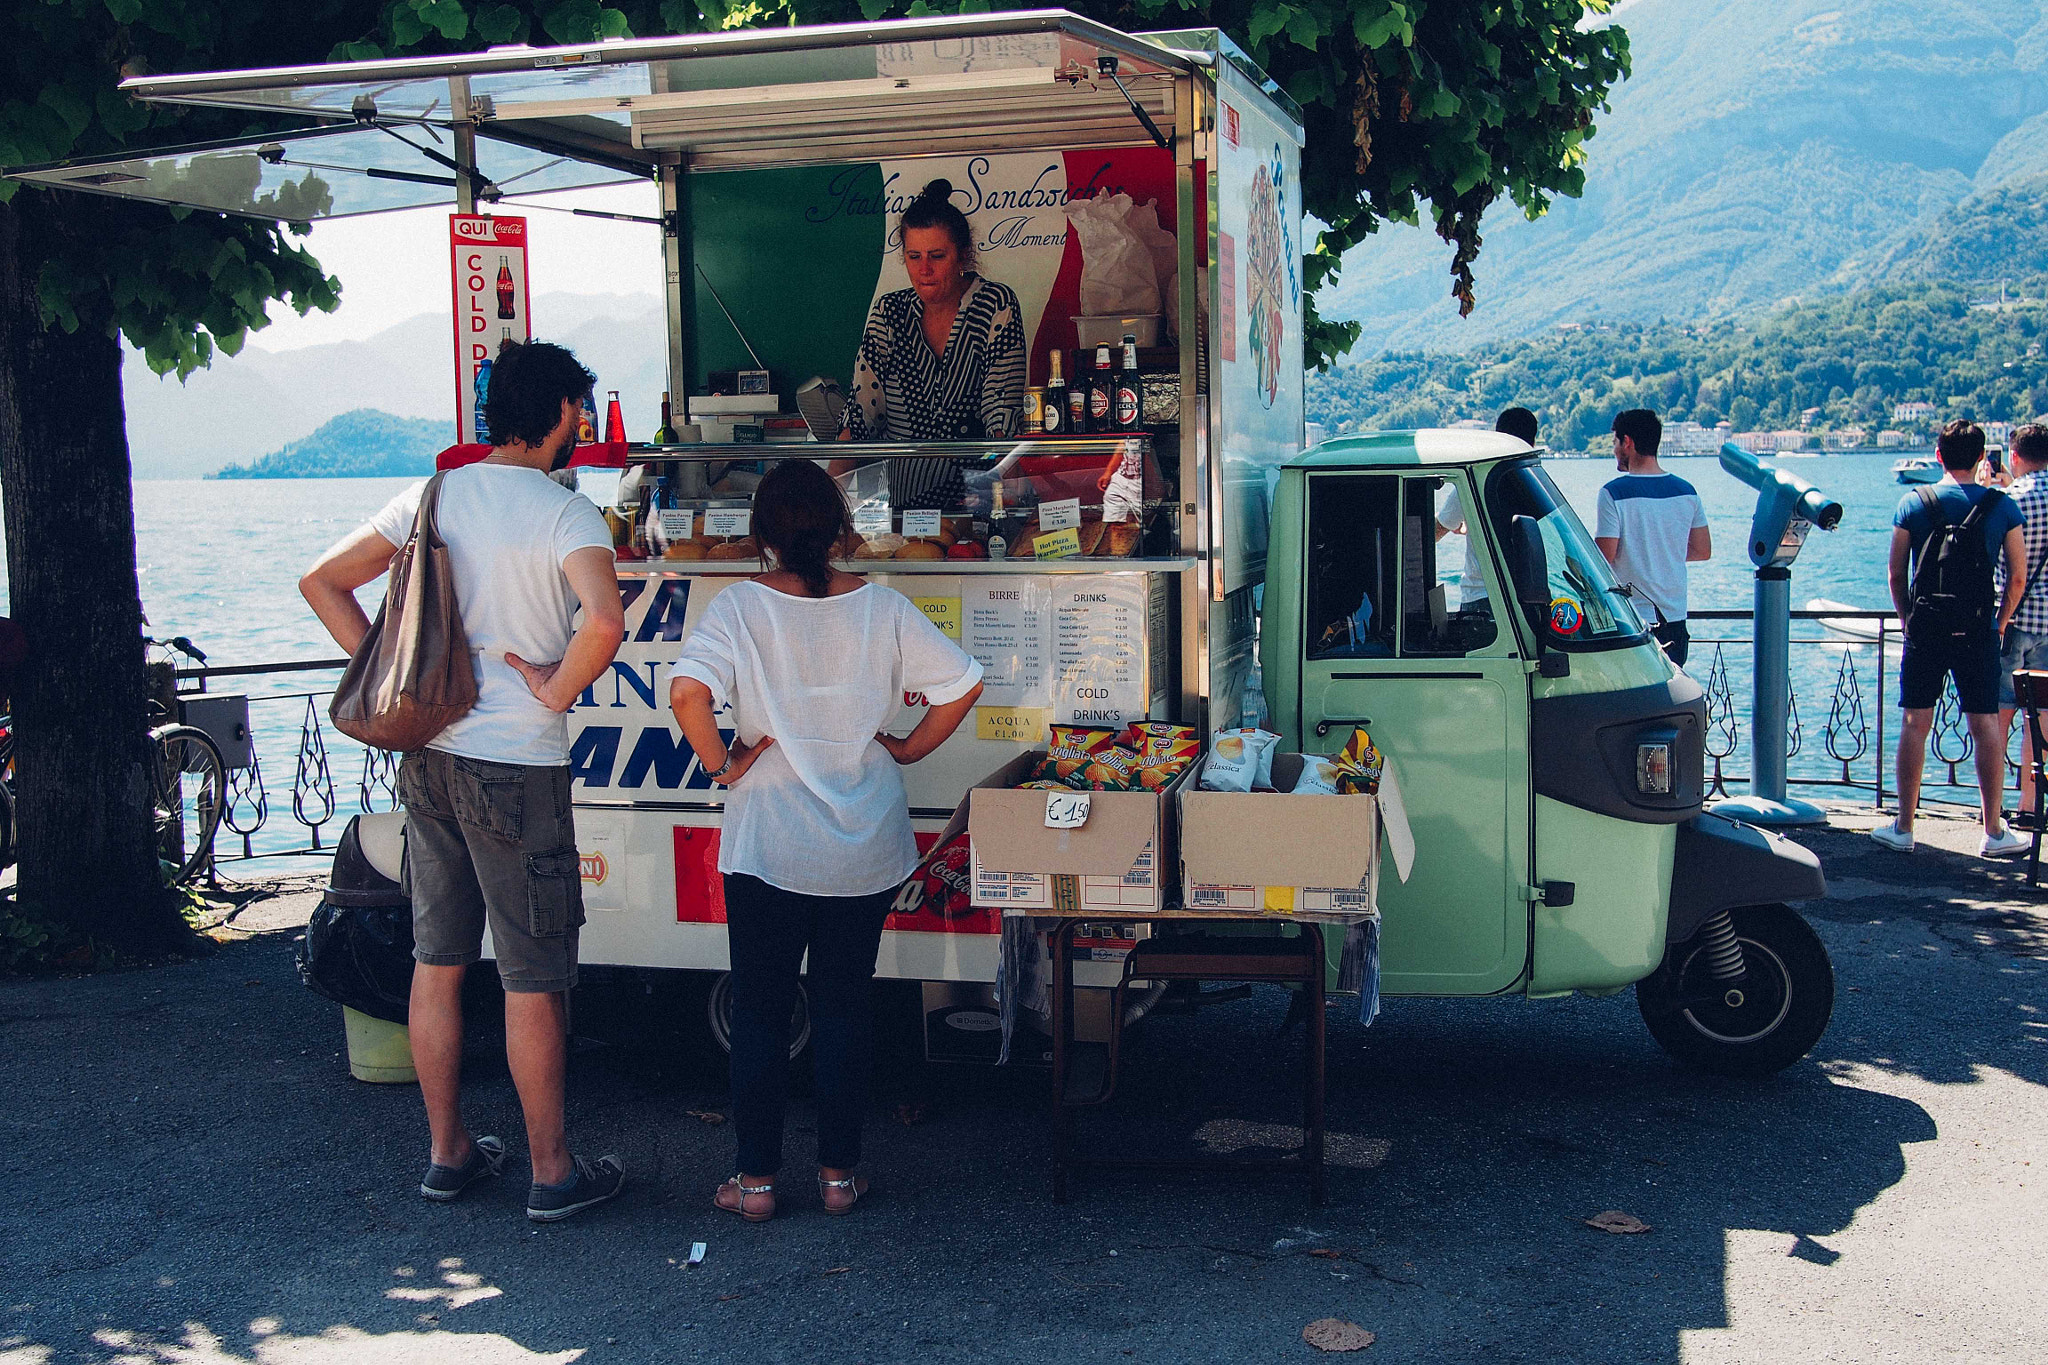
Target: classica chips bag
<point x="1239" y="760"/>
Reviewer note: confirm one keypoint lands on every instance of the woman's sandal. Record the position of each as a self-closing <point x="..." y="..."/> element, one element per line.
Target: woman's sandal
<point x="856" y="1183"/>
<point x="746" y="1192"/>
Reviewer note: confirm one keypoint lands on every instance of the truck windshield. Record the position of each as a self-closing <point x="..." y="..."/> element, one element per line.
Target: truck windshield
<point x="1587" y="607"/>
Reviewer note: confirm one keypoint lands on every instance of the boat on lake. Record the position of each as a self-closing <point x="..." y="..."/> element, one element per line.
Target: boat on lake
<point x="1918" y="469"/>
<point x="1860" y="629"/>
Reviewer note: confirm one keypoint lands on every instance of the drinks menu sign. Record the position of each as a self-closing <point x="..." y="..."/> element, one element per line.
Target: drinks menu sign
<point x="488" y="264"/>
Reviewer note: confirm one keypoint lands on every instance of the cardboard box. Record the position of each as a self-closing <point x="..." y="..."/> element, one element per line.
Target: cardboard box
<point x="1270" y="852"/>
<point x="1121" y="861"/>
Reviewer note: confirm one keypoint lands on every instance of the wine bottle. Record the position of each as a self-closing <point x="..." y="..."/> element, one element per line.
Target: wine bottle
<point x="665" y="434"/>
<point x="1054" y="419"/>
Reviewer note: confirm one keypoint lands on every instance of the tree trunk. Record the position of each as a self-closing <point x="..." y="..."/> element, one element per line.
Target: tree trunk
<point x="87" y="855"/>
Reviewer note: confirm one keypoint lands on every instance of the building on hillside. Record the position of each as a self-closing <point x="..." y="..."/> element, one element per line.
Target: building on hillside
<point x="1807" y="418"/>
<point x="1690" y="438"/>
<point x="1788" y="440"/>
<point x="1997" y="433"/>
<point x="1847" y="438"/>
<point x="1755" y="442"/>
<point x="1912" y="412"/>
<point x="1892" y="440"/>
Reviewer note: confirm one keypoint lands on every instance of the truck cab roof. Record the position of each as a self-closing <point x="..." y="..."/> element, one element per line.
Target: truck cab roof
<point x="1403" y="449"/>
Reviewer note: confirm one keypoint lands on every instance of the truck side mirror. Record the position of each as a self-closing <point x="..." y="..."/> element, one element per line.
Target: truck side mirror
<point x="1528" y="563"/>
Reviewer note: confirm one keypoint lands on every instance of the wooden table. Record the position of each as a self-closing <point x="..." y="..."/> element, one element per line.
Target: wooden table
<point x="1188" y="957"/>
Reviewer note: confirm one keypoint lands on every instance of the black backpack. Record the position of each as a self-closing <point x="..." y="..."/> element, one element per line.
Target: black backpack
<point x="1953" y="591"/>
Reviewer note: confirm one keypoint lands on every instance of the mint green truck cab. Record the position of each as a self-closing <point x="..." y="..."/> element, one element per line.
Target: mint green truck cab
<point x="1551" y="758"/>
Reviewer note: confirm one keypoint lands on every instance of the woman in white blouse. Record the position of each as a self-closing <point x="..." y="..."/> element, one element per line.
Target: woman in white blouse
<point x="816" y="837"/>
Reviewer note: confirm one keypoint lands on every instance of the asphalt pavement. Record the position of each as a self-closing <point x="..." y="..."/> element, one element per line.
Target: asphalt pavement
<point x="191" y="1176"/>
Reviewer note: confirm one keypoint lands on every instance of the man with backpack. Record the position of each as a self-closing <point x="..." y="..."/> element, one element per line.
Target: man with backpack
<point x="490" y="834"/>
<point x="1946" y="539"/>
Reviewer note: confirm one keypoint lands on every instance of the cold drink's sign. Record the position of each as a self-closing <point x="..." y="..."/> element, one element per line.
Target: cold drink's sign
<point x="489" y="268"/>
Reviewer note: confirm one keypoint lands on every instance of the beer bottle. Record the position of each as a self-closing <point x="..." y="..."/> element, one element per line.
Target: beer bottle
<point x="1130" y="389"/>
<point x="1054" y="418"/>
<point x="1101" y="393"/>
<point x="1077" y="402"/>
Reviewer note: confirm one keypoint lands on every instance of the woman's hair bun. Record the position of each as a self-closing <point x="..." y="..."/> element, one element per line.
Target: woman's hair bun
<point x="937" y="191"/>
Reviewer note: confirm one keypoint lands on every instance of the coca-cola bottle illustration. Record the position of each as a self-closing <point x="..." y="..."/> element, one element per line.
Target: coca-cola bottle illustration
<point x="504" y="287"/>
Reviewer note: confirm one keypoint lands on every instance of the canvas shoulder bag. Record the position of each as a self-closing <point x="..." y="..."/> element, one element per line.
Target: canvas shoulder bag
<point x="412" y="675"/>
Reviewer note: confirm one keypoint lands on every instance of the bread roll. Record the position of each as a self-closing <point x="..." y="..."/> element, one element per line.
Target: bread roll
<point x="881" y="547"/>
<point x="743" y="548"/>
<point x="685" y="549"/>
<point x="920" y="549"/>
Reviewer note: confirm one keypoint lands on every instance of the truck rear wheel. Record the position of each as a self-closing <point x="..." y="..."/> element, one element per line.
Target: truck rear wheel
<point x="1759" y="1025"/>
<point x="718" y="1015"/>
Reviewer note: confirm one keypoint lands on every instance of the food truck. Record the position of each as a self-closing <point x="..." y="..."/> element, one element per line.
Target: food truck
<point x="1142" y="192"/>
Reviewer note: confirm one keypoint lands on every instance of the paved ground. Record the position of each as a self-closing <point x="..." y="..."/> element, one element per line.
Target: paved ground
<point x="192" y="1177"/>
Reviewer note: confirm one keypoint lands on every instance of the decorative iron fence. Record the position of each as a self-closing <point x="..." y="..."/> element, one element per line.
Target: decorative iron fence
<point x="1839" y="735"/>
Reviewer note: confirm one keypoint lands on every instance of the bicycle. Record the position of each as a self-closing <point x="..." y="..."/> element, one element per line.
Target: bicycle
<point x="187" y="784"/>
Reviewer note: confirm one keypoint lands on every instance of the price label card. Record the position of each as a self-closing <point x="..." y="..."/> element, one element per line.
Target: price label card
<point x="1058" y="516"/>
<point x="871" y="519"/>
<point x="1011" y="724"/>
<point x="923" y="523"/>
<point x="727" y="521"/>
<point x="1058" y="544"/>
<point x="1066" y="810"/>
<point x="678" y="523"/>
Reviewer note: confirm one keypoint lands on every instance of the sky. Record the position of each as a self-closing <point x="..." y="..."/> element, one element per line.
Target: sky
<point x="394" y="266"/>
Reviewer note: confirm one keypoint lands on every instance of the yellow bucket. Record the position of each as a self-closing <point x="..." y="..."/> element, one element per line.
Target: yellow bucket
<point x="378" y="1050"/>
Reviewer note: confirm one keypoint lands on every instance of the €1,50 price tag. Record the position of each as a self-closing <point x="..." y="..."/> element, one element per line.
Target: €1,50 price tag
<point x="1066" y="810"/>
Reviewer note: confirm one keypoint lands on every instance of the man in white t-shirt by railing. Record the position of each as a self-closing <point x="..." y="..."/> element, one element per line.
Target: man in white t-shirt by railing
<point x="489" y="833"/>
<point x="1650" y="525"/>
<point x="1519" y="423"/>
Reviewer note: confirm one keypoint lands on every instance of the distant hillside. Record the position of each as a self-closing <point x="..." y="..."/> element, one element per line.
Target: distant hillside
<point x="1851" y="357"/>
<point x="1763" y="151"/>
<point x="363" y="444"/>
<point x="253" y="403"/>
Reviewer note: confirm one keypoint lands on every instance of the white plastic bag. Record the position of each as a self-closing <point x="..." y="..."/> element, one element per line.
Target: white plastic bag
<point x="1118" y="274"/>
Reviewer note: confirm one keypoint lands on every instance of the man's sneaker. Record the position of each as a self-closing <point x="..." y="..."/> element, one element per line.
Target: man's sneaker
<point x="443" y="1183"/>
<point x="593" y="1183"/>
<point x="1894" y="838"/>
<point x="2003" y="844"/>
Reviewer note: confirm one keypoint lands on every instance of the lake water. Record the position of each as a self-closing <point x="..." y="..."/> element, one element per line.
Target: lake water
<point x="220" y="561"/>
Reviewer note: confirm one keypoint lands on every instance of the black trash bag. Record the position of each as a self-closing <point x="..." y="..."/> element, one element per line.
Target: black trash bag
<point x="358" y="945"/>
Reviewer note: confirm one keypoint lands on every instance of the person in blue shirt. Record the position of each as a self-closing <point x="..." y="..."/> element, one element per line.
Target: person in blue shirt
<point x="1968" y="654"/>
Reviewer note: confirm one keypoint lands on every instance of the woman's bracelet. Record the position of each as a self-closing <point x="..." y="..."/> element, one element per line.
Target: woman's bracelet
<point x="722" y="769"/>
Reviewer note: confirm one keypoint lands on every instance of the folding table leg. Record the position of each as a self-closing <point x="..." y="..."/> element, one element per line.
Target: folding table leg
<point x="1312" y="1150"/>
<point x="1062" y="1055"/>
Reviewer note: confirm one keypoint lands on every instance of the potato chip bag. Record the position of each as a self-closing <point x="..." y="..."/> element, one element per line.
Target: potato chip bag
<point x="1170" y="749"/>
<point x="1359" y="765"/>
<point x="1044" y="785"/>
<point x="1108" y="775"/>
<point x="1239" y="760"/>
<point x="1065" y="770"/>
<point x="1075" y="741"/>
<point x="1146" y="734"/>
<point x="1319" y="776"/>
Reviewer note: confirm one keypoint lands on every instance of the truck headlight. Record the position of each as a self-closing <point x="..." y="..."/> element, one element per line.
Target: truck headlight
<point x="1653" y="765"/>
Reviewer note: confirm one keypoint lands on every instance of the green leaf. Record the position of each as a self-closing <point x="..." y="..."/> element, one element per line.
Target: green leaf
<point x="1266" y="22"/>
<point x="1304" y="30"/>
<point x="497" y="24"/>
<point x="448" y="18"/>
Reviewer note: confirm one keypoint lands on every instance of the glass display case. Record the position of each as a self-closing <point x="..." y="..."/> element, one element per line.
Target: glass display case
<point x="953" y="505"/>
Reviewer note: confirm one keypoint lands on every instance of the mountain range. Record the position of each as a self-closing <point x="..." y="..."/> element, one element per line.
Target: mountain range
<point x="255" y="404"/>
<point x="1762" y="151"/>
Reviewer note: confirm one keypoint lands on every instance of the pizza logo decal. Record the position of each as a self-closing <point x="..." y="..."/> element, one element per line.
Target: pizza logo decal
<point x="1270" y="279"/>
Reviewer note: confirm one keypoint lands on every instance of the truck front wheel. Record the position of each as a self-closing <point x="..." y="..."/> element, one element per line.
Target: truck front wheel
<point x="1763" y="1022"/>
<point x="718" y="1016"/>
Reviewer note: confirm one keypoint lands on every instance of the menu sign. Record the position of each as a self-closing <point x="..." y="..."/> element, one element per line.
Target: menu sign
<point x="488" y="265"/>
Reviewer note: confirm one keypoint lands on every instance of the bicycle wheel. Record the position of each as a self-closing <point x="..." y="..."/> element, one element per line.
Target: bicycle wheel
<point x="188" y="789"/>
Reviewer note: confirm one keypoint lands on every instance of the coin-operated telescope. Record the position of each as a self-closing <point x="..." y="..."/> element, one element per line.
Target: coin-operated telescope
<point x="1787" y="507"/>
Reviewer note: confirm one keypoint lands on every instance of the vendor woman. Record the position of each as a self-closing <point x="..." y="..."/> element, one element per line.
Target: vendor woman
<point x="940" y="361"/>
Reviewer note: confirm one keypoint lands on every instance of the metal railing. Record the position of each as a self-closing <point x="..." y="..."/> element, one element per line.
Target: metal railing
<point x="1854" y="670"/>
<point x="1839" y="734"/>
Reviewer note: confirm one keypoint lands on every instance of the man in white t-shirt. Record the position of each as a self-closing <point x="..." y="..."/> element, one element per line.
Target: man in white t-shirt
<point x="1650" y="525"/>
<point x="489" y="833"/>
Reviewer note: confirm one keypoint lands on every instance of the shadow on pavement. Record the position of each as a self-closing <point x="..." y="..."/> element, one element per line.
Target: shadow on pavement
<point x="196" y="1179"/>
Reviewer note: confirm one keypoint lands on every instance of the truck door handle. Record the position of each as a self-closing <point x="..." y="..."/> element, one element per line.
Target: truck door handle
<point x="1323" y="725"/>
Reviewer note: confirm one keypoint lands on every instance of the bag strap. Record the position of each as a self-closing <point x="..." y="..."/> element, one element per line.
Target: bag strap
<point x="1933" y="508"/>
<point x="426" y="522"/>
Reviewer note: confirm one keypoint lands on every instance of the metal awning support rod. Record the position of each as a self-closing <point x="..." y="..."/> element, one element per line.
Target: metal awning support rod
<point x="1106" y="64"/>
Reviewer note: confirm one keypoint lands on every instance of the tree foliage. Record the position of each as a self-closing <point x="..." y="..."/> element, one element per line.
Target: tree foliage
<point x="1444" y="105"/>
<point x="1850" y="358"/>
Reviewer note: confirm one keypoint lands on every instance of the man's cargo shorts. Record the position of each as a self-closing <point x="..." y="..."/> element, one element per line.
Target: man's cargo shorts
<point x="492" y="841"/>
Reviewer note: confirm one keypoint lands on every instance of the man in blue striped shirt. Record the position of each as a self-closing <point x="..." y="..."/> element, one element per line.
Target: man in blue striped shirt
<point x="1650" y="525"/>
